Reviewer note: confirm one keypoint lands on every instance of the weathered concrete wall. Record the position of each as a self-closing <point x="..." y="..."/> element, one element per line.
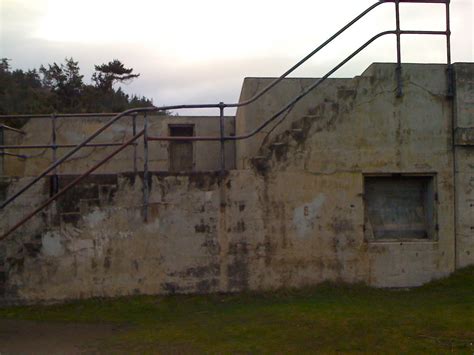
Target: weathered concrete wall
<point x="360" y="127"/>
<point x="464" y="141"/>
<point x="107" y="249"/>
<point x="294" y="216"/>
<point x="75" y="130"/>
<point x="243" y="231"/>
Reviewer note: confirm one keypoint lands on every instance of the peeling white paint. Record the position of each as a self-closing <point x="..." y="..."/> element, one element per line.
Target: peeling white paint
<point x="94" y="218"/>
<point x="52" y="246"/>
<point x="209" y="195"/>
<point x="305" y="215"/>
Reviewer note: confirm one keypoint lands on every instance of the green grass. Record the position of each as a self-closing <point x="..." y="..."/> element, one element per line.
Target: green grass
<point x="436" y="318"/>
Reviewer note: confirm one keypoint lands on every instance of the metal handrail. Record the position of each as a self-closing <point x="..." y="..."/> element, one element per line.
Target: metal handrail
<point x="284" y="75"/>
<point x="221" y="106"/>
<point x="41" y="146"/>
<point x="62" y="115"/>
<point x="73" y="151"/>
<point x="296" y="99"/>
<point x="166" y="108"/>
<point x="8" y="128"/>
<point x="72" y="184"/>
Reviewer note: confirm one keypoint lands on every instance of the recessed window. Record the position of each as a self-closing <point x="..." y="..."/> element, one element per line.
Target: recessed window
<point x="181" y="155"/>
<point x="400" y="207"/>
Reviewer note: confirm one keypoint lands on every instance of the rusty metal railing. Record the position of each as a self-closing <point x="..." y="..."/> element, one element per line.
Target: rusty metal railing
<point x="398" y="32"/>
<point x="3" y="128"/>
<point x="72" y="184"/>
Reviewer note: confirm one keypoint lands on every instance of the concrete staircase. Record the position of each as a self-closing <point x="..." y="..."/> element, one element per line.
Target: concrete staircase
<point x="94" y="191"/>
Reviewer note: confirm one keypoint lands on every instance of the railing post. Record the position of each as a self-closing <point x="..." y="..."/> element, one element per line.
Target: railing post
<point x="399" y="51"/>
<point x="448" y="52"/>
<point x="222" y="133"/>
<point x="145" y="168"/>
<point x="2" y="151"/>
<point x="54" y="151"/>
<point x="134" y="132"/>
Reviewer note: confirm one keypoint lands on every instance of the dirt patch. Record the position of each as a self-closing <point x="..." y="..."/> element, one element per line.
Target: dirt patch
<point x="31" y="337"/>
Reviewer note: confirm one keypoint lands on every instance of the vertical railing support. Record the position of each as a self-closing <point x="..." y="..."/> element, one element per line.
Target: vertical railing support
<point x="145" y="168"/>
<point x="399" y="51"/>
<point x="54" y="156"/>
<point x="448" y="52"/>
<point x="448" y="33"/>
<point x="222" y="133"/>
<point x="134" y="132"/>
<point x="2" y="151"/>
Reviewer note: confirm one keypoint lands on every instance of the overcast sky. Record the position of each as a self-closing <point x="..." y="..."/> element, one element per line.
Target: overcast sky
<point x="200" y="51"/>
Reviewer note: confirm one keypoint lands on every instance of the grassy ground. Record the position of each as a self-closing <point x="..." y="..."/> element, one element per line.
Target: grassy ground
<point x="436" y="318"/>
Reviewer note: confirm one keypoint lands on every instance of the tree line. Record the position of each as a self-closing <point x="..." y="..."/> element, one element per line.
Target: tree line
<point x="60" y="88"/>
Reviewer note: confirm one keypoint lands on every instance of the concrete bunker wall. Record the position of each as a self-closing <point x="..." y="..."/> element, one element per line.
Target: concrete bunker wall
<point x="293" y="215"/>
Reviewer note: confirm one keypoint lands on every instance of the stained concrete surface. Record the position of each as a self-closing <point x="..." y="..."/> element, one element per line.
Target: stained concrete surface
<point x="292" y="215"/>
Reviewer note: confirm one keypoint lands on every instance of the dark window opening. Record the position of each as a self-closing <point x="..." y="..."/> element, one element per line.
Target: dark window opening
<point x="181" y="155"/>
<point x="400" y="207"/>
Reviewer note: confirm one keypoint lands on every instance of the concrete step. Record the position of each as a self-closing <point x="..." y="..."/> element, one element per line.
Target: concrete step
<point x="94" y="191"/>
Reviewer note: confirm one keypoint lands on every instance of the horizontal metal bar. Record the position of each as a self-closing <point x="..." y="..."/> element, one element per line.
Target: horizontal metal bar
<point x="52" y="146"/>
<point x="131" y="112"/>
<point x="404" y="32"/>
<point x="62" y="115"/>
<point x="71" y="184"/>
<point x="21" y="156"/>
<point x="418" y="1"/>
<point x="185" y="139"/>
<point x="8" y="128"/>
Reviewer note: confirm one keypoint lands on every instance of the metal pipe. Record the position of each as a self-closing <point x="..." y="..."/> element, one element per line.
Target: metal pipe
<point x="222" y="134"/>
<point x="330" y="39"/>
<point x="63" y="115"/>
<point x="276" y="81"/>
<point x="285" y="108"/>
<point x="8" y="128"/>
<point x="448" y="53"/>
<point x="21" y="156"/>
<point x="39" y="146"/>
<point x="299" y="97"/>
<point x="55" y="180"/>
<point x="70" y="185"/>
<point x="418" y="1"/>
<point x="73" y="151"/>
<point x="448" y="34"/>
<point x="2" y="152"/>
<point x="414" y="32"/>
<point x="186" y="139"/>
<point x="398" y="70"/>
<point x="145" y="168"/>
<point x="272" y="84"/>
<point x="302" y="61"/>
<point x="134" y="131"/>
